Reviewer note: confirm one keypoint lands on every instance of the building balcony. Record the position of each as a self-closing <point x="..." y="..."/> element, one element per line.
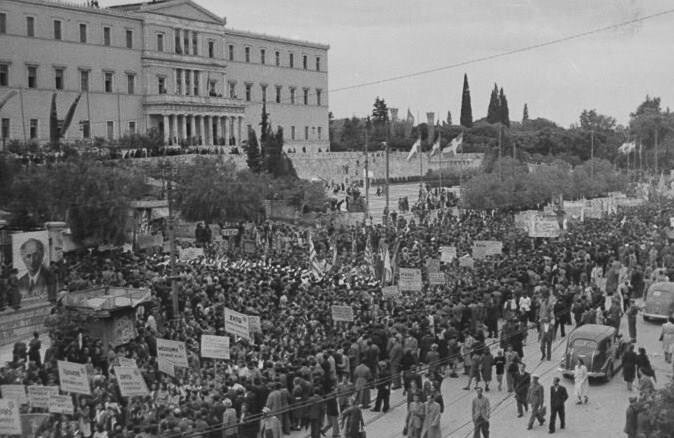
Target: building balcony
<point x="179" y="58"/>
<point x="173" y="103"/>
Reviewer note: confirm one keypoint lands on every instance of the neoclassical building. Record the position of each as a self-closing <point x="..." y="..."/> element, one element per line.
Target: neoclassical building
<point x="169" y="65"/>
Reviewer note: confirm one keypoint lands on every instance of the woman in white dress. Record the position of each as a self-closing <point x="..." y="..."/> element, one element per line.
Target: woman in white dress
<point x="581" y="382"/>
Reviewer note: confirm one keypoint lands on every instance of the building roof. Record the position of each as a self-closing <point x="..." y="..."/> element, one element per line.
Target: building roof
<point x="164" y="7"/>
<point x="278" y="39"/>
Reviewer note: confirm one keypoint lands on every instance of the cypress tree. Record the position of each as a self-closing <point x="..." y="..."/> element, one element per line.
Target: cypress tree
<point x="466" y="107"/>
<point x="253" y="157"/>
<point x="525" y="114"/>
<point x="504" y="113"/>
<point x="449" y="118"/>
<point x="494" y="108"/>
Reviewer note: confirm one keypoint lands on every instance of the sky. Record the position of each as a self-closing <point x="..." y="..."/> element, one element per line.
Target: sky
<point x="610" y="71"/>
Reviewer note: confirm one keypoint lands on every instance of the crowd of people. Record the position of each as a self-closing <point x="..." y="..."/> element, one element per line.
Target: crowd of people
<point x="303" y="370"/>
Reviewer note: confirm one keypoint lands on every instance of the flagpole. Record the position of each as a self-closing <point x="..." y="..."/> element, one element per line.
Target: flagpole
<point x="592" y="153"/>
<point x="500" y="154"/>
<point x="367" y="179"/>
<point x="387" y="175"/>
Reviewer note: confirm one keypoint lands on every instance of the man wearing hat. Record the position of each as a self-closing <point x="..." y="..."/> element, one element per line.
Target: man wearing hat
<point x="535" y="398"/>
<point x="558" y="397"/>
<point x="631" y="418"/>
<point x="546" y="338"/>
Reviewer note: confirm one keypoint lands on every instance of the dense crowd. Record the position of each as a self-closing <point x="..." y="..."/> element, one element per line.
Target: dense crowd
<point x="306" y="371"/>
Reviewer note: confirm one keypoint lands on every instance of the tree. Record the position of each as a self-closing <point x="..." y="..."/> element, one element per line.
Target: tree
<point x="353" y="134"/>
<point x="449" y="118"/>
<point x="504" y="113"/>
<point x="253" y="155"/>
<point x="493" y="110"/>
<point x="590" y="120"/>
<point x="379" y="120"/>
<point x="466" y="107"/>
<point x="525" y="114"/>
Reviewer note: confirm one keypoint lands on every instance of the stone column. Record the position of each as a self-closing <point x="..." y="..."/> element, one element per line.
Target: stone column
<point x="218" y="129"/>
<point x="225" y="129"/>
<point x="174" y="128"/>
<point x="204" y="135"/>
<point x="148" y="122"/>
<point x="183" y="82"/>
<point x="238" y="130"/>
<point x="183" y="127"/>
<point x="188" y="74"/>
<point x="166" y="129"/>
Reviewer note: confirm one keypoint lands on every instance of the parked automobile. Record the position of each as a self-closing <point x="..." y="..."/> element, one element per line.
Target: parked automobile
<point x="599" y="346"/>
<point x="659" y="304"/>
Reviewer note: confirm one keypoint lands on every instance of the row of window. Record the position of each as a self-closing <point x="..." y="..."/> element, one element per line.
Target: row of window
<point x="186" y="42"/>
<point x="59" y="78"/>
<point x="85" y="128"/>
<point x="84" y="32"/>
<point x="278" y="95"/>
<point x="317" y="132"/>
<point x="277" y="58"/>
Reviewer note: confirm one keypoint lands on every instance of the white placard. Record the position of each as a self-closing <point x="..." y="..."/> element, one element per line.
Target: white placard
<point x="436" y="278"/>
<point x="10" y="418"/>
<point x="237" y="324"/>
<point x="254" y="324"/>
<point x="61" y="404"/>
<point x="14" y="392"/>
<point x="38" y="395"/>
<point x="390" y="292"/>
<point x="409" y="279"/>
<point x="166" y="367"/>
<point x="215" y="347"/>
<point x="547" y="226"/>
<point x="342" y="313"/>
<point x="447" y="254"/>
<point x="173" y="352"/>
<point x="73" y="377"/>
<point x="190" y="253"/>
<point x="466" y="261"/>
<point x="131" y="382"/>
<point x="484" y="248"/>
<point x="126" y="362"/>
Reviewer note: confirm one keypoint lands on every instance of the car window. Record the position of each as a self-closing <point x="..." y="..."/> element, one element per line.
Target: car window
<point x="582" y="346"/>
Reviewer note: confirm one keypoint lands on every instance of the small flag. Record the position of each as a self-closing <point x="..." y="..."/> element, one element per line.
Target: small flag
<point x="369" y="255"/>
<point x="316" y="267"/>
<point x="454" y="145"/>
<point x="627" y="148"/>
<point x="387" y="274"/>
<point x="415" y="149"/>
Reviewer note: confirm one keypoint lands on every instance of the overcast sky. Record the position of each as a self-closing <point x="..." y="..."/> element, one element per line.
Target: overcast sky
<point x="370" y="40"/>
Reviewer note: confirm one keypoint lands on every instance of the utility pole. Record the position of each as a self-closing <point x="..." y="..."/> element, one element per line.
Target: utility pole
<point x="387" y="175"/>
<point x="655" y="149"/>
<point x="172" y="241"/>
<point x="367" y="175"/>
<point x="500" y="153"/>
<point x="592" y="153"/>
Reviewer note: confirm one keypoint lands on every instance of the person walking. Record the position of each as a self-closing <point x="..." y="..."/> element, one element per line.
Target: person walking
<point x="486" y="365"/>
<point x="432" y="414"/>
<point x="499" y="364"/>
<point x="631" y="418"/>
<point x="522" y="382"/>
<point x="229" y="420"/>
<point x="632" y="313"/>
<point x="362" y="376"/>
<point x="667" y="339"/>
<point x="480" y="410"/>
<point x="415" y="417"/>
<point x="270" y="427"/>
<point x="546" y="339"/>
<point x="352" y="421"/>
<point x="629" y="366"/>
<point x="511" y="367"/>
<point x="581" y="382"/>
<point x="558" y="397"/>
<point x="536" y="398"/>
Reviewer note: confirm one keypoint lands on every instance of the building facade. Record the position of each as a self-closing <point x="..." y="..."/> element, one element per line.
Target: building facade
<point x="167" y="65"/>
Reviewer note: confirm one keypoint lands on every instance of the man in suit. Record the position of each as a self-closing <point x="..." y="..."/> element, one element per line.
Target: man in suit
<point x="558" y="396"/>
<point x="522" y="381"/>
<point x="38" y="281"/>
<point x="546" y="339"/>
<point x="535" y="398"/>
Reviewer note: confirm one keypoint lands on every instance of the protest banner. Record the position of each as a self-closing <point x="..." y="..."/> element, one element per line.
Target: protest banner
<point x="10" y="419"/>
<point x="173" y="352"/>
<point x="126" y="362"/>
<point x="466" y="261"/>
<point x="131" y="382"/>
<point x="544" y="226"/>
<point x="38" y="395"/>
<point x="61" y="404"/>
<point x="73" y="377"/>
<point x="447" y="254"/>
<point x="190" y="253"/>
<point x="523" y="219"/>
<point x="237" y="324"/>
<point x="230" y="232"/>
<point x="254" y="324"/>
<point x="166" y="367"/>
<point x="342" y="313"/>
<point x="436" y="278"/>
<point x="432" y="265"/>
<point x="390" y="292"/>
<point x="215" y="347"/>
<point x="484" y="248"/>
<point x="14" y="392"/>
<point x="409" y="279"/>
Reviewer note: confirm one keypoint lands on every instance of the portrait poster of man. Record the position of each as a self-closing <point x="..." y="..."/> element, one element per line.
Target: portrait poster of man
<point x="30" y="257"/>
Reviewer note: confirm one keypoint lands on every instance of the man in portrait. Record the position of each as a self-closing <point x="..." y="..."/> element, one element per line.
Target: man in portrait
<point x="38" y="281"/>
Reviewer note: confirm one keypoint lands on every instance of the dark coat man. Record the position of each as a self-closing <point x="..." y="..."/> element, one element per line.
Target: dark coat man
<point x="558" y="397"/>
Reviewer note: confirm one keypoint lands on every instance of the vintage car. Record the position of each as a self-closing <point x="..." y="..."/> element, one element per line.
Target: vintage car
<point x="600" y="348"/>
<point x="659" y="302"/>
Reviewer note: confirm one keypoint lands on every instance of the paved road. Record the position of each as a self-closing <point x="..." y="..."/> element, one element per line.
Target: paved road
<point x="378" y="203"/>
<point x="602" y="417"/>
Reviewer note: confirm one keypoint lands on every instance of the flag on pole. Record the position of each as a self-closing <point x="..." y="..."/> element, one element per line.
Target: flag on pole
<point x="317" y="268"/>
<point x="627" y="148"/>
<point x="369" y="255"/>
<point x="436" y="146"/>
<point x="415" y="149"/>
<point x="387" y="272"/>
<point x="454" y="145"/>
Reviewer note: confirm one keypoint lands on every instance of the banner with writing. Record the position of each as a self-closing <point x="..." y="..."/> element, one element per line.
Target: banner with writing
<point x="173" y="352"/>
<point x="237" y="324"/>
<point x="10" y="418"/>
<point x="126" y="362"/>
<point x="342" y="313"/>
<point x="73" y="377"/>
<point x="432" y="265"/>
<point x="410" y="279"/>
<point x="436" y="278"/>
<point x="14" y="392"/>
<point x="485" y="248"/>
<point x="61" y="404"/>
<point x="38" y="395"/>
<point x="190" y="253"/>
<point x="215" y="347"/>
<point x="254" y="324"/>
<point x="447" y="254"/>
<point x="166" y="367"/>
<point x="390" y="292"/>
<point x="230" y="232"/>
<point x="544" y="226"/>
<point x="466" y="261"/>
<point x="131" y="382"/>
